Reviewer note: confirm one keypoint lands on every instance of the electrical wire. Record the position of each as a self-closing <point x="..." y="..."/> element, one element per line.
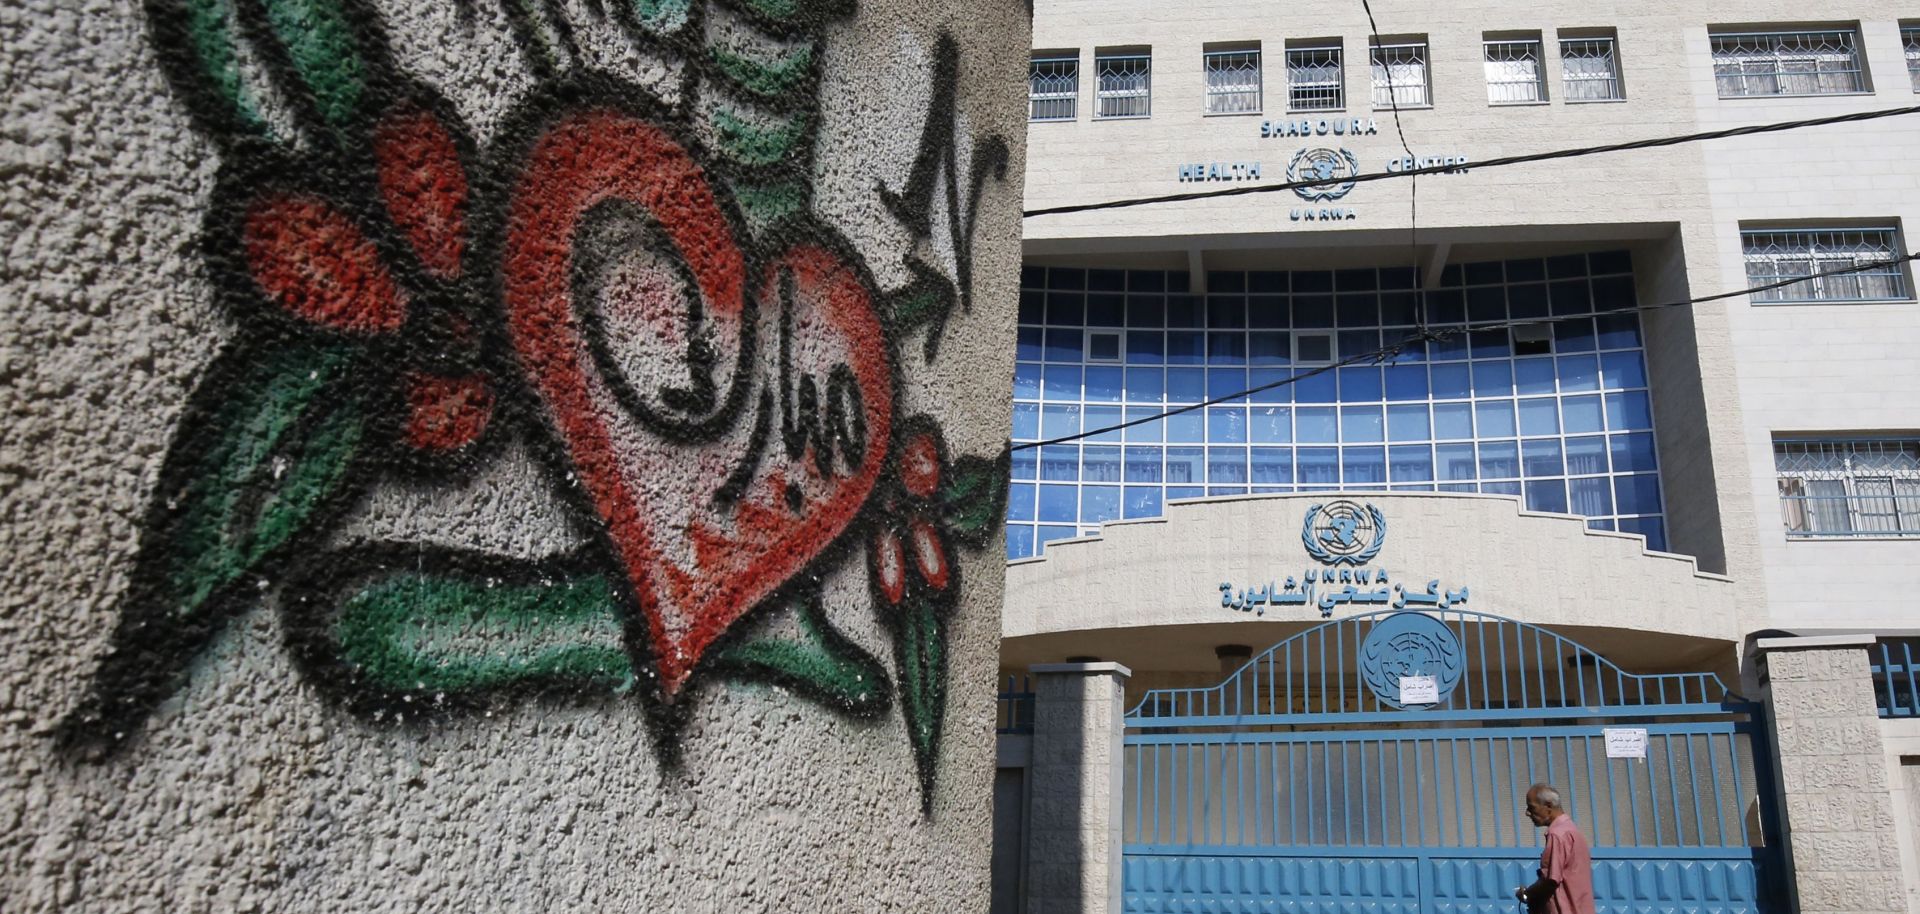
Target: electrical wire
<point x="1653" y="143"/>
<point x="1386" y="353"/>
<point x="1413" y="188"/>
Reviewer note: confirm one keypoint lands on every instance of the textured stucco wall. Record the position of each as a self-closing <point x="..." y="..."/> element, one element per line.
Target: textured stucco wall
<point x="463" y="456"/>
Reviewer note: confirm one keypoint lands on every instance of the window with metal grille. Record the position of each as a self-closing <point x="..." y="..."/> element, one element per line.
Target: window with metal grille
<point x="1125" y="86"/>
<point x="1053" y="88"/>
<point x="1514" y="76"/>
<point x="1233" y="82"/>
<point x="1895" y="666"/>
<point x="1400" y="75"/>
<point x="1817" y="62"/>
<point x="1589" y="70"/>
<point x="1842" y="487"/>
<point x="1775" y="255"/>
<point x="1315" y="81"/>
<point x="1910" y="38"/>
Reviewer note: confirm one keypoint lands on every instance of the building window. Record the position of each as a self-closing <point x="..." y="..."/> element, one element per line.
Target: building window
<point x="1840" y="487"/>
<point x="1233" y="81"/>
<point x="1315" y="79"/>
<point x="1125" y="84"/>
<point x="1820" y="62"/>
<point x="1590" y="70"/>
<point x="1053" y="87"/>
<point x="1400" y="75"/>
<point x="1514" y="74"/>
<point x="1775" y="255"/>
<point x="1910" y="38"/>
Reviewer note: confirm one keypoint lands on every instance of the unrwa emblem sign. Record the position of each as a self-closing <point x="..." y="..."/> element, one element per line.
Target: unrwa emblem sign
<point x="1343" y="532"/>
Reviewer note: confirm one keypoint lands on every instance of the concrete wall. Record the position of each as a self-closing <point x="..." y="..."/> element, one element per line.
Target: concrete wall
<point x="512" y="457"/>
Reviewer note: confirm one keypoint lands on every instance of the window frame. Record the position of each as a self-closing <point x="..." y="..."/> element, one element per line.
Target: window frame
<point x="1072" y="97"/>
<point x="1910" y="46"/>
<point x="1779" y="55"/>
<point x="1615" y="78"/>
<point x="1489" y="46"/>
<point x="1102" y="95"/>
<point x="1338" y="85"/>
<point x="1891" y="245"/>
<point x="1378" y="67"/>
<point x="1209" y="93"/>
<point x="1801" y="509"/>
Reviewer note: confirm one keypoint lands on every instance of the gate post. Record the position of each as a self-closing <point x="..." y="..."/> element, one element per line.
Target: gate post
<point x="1077" y="769"/>
<point x="1844" y="852"/>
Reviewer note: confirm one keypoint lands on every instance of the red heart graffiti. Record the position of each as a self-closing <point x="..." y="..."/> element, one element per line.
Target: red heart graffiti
<point x="725" y="435"/>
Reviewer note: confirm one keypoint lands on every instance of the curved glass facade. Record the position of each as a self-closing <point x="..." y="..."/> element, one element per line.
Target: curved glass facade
<point x="1557" y="414"/>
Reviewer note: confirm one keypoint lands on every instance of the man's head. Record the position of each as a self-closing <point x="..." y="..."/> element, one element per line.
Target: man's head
<point x="1543" y="804"/>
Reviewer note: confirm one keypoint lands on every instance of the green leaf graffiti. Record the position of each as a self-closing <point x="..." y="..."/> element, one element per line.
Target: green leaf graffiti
<point x="973" y="497"/>
<point x="921" y="641"/>
<point x="822" y="664"/>
<point x="320" y="42"/>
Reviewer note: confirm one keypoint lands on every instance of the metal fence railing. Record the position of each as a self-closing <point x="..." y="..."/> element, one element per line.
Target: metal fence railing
<point x="1820" y="62"/>
<point x="1013" y="711"/>
<point x="1868" y="487"/>
<point x="1895" y="664"/>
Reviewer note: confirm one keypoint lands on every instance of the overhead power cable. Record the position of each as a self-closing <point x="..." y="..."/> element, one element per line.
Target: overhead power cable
<point x="1498" y="162"/>
<point x="1413" y="185"/>
<point x="1385" y="353"/>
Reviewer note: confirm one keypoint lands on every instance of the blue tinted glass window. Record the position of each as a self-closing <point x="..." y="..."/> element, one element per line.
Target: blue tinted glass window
<point x="1316" y="425"/>
<point x="1358" y="342"/>
<point x="1363" y="465"/>
<point x="1033" y="307"/>
<point x="1542" y="458"/>
<point x="1099" y="504"/>
<point x="1060" y="462"/>
<point x="1226" y="425"/>
<point x="1361" y="424"/>
<point x="1105" y="310"/>
<point x="1186" y="348"/>
<point x="1100" y="464"/>
<point x="1451" y="380"/>
<point x="1057" y="420"/>
<point x="1452" y="420"/>
<point x="1029" y="348"/>
<point x="1493" y="379"/>
<point x="1226" y="382"/>
<point x="1540" y="416"/>
<point x="1227" y="465"/>
<point x="1025" y="464"/>
<point x="1186" y="385"/>
<point x="1534" y="376"/>
<point x="1272" y="466"/>
<point x="1146" y="385"/>
<point x="1407" y="382"/>
<point x="1451" y="348"/>
<point x="1146" y="347"/>
<point x="1622" y="369"/>
<point x="1174" y="492"/>
<point x="1064" y="345"/>
<point x="1146" y="310"/>
<point x="1187" y="427"/>
<point x="1632" y="453"/>
<point x="1226" y="348"/>
<point x="1454" y="461"/>
<point x="1618" y="331"/>
<point x="1312" y="311"/>
<point x="1098" y="417"/>
<point x="1410" y="463"/>
<point x="1143" y="464"/>
<point x="1579" y="373"/>
<point x="1499" y="459"/>
<point x="1061" y="382"/>
<point x="1150" y="430"/>
<point x="1270" y="348"/>
<point x="1059" y="504"/>
<point x="1318" y="465"/>
<point x="1360" y="384"/>
<point x="1266" y="378"/>
<point x="1629" y="410"/>
<point x="1020" y="501"/>
<point x="1637" y="494"/>
<point x="1066" y="309"/>
<point x="1315" y="388"/>
<point x="1026" y="381"/>
<point x="1581" y="414"/>
<point x="1103" y="347"/>
<point x="1184" y="466"/>
<point x="1586" y="455"/>
<point x="1573" y="336"/>
<point x="1270" y="425"/>
<point x="1103" y="384"/>
<point x="1142" y="501"/>
<point x="1590" y="496"/>
<point x="1049" y="534"/>
<point x="1267" y="311"/>
<point x="1547" y="495"/>
<point x="1026" y="422"/>
<point x="1491" y="344"/>
<point x="1500" y="488"/>
<point x="1407" y="422"/>
<point x="1649" y="527"/>
<point x="1494" y="418"/>
<point x="1019" y="541"/>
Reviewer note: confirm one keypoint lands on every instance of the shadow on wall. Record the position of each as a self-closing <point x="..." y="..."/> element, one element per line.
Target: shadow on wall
<point x="636" y="289"/>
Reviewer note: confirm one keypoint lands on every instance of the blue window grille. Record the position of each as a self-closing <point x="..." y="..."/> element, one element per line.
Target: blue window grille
<point x="1563" y="419"/>
<point x="1849" y="488"/>
<point x="1780" y="254"/>
<point x="1895" y="664"/>
<point x="1013" y="712"/>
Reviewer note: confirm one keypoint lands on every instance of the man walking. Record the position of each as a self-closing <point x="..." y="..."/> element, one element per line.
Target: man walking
<point x="1565" y="885"/>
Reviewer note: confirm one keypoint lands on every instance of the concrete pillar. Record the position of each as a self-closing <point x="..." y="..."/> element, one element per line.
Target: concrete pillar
<point x="1077" y="770"/>
<point x="1845" y="853"/>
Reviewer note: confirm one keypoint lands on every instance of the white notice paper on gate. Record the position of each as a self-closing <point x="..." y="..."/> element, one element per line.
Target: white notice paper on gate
<point x="1626" y="742"/>
<point x="1419" y="690"/>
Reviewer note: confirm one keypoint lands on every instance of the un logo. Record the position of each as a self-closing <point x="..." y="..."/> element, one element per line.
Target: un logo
<point x="1343" y="532"/>
<point x="1335" y="167"/>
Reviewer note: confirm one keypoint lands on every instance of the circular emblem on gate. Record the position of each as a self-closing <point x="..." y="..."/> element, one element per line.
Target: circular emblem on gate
<point x="1343" y="532"/>
<point x="1410" y="645"/>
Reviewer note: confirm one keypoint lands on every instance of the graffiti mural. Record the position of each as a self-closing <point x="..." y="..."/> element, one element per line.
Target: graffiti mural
<point x="637" y="289"/>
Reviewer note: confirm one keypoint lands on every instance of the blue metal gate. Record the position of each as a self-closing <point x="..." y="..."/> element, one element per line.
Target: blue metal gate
<point x="1378" y="763"/>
